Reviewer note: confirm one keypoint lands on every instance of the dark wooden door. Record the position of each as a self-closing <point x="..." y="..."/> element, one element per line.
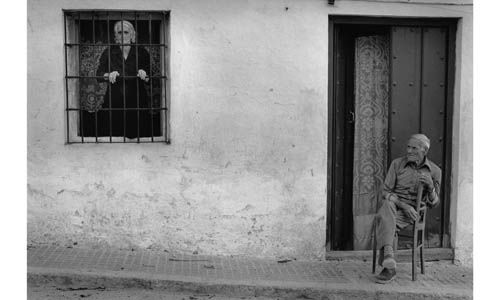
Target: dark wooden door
<point x="342" y="141"/>
<point x="418" y="102"/>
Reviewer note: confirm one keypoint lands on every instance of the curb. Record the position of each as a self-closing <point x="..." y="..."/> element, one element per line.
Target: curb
<point x="92" y="279"/>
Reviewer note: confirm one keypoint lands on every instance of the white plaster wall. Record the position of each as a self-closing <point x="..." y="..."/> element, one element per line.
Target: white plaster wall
<point x="246" y="171"/>
<point x="462" y="196"/>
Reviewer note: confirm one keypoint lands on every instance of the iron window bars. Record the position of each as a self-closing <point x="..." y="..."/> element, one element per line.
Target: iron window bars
<point x="90" y="114"/>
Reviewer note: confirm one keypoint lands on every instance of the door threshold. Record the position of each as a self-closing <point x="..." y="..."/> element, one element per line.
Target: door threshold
<point x="430" y="254"/>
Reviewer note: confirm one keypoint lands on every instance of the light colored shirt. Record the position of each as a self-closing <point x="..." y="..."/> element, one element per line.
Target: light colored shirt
<point x="402" y="181"/>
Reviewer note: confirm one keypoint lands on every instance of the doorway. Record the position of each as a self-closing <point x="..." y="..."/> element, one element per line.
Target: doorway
<point x="389" y="78"/>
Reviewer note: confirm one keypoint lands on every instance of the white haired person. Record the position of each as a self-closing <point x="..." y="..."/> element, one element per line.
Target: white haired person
<point x="126" y="67"/>
<point x="399" y="198"/>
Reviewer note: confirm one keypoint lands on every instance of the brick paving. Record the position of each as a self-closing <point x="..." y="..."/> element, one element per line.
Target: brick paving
<point x="440" y="277"/>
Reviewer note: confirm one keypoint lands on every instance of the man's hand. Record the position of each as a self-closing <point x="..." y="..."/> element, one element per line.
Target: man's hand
<point x="409" y="211"/>
<point x="142" y="75"/>
<point x="426" y="180"/>
<point x="434" y="202"/>
<point x="111" y="76"/>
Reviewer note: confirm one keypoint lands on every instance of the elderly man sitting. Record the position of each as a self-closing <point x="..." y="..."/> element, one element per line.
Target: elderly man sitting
<point x="399" y="198"/>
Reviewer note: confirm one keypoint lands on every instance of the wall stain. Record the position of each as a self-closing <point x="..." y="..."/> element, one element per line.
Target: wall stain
<point x="309" y="92"/>
<point x="111" y="193"/>
<point x="99" y="186"/>
<point x="246" y="208"/>
<point x="38" y="193"/>
<point x="284" y="104"/>
<point x="30" y="26"/>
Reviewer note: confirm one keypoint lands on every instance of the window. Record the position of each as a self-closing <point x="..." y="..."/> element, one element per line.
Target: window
<point x="116" y="76"/>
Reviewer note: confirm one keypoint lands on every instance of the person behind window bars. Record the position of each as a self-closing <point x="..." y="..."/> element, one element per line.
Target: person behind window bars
<point x="399" y="196"/>
<point x="126" y="67"/>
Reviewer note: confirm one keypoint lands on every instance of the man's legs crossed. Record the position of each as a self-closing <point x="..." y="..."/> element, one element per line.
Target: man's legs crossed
<point x="389" y="219"/>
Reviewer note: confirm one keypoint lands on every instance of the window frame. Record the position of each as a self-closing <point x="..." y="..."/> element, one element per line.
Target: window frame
<point x="72" y="47"/>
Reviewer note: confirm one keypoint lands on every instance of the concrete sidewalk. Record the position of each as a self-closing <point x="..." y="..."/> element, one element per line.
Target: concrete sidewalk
<point x="230" y="276"/>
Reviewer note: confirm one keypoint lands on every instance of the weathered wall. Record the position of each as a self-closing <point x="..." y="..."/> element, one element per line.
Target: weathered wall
<point x="462" y="148"/>
<point x="246" y="171"/>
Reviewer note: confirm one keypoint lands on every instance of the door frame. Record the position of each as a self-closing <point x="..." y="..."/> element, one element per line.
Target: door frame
<point x="335" y="20"/>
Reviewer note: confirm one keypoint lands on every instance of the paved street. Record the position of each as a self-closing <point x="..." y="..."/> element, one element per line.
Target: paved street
<point x="54" y="292"/>
<point x="82" y="272"/>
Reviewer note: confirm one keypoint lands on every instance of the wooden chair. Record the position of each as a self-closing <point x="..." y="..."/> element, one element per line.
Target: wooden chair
<point x="418" y="238"/>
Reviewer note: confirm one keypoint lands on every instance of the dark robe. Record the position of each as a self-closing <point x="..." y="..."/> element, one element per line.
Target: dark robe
<point x="129" y="93"/>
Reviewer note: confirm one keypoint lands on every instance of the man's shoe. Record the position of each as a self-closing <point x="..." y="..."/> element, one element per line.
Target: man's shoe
<point x="386" y="276"/>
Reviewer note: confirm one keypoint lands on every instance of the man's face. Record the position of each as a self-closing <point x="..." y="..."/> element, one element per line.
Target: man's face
<point x="415" y="151"/>
<point x="123" y="33"/>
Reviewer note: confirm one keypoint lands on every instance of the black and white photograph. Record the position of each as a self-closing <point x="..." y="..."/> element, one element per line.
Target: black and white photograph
<point x="247" y="149"/>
